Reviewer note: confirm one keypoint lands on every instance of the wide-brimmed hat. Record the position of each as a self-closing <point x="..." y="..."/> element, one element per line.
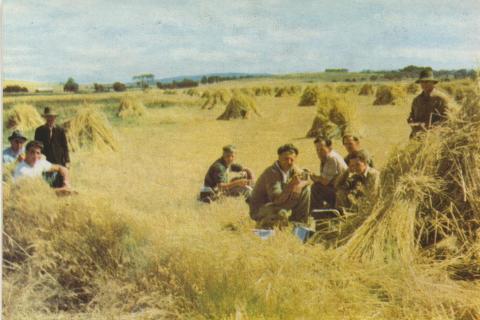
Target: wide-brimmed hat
<point x="47" y="112"/>
<point x="17" y="134"/>
<point x="426" y="76"/>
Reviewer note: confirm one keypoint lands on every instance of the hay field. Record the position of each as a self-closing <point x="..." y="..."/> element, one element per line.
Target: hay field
<point x="135" y="243"/>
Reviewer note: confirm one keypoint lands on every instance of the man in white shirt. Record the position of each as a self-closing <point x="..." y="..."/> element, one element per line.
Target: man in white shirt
<point x="34" y="166"/>
<point x="332" y="165"/>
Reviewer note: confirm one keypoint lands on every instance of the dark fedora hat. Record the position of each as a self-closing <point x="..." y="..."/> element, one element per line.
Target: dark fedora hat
<point x="17" y="134"/>
<point x="426" y="76"/>
<point x="47" y="112"/>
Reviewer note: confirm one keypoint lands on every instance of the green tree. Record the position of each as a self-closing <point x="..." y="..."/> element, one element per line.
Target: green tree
<point x="118" y="87"/>
<point x="70" y="86"/>
<point x="144" y="79"/>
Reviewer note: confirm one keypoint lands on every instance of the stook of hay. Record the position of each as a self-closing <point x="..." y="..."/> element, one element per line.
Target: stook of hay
<point x="412" y="88"/>
<point x="239" y="107"/>
<point x="130" y="108"/>
<point x="23" y="117"/>
<point x="366" y="90"/>
<point x="90" y="128"/>
<point x="214" y="97"/>
<point x="387" y="95"/>
<point x="346" y="88"/>
<point x="263" y="91"/>
<point x="287" y="91"/>
<point x="430" y="193"/>
<point x="309" y="96"/>
<point x="335" y="117"/>
<point x="192" y="92"/>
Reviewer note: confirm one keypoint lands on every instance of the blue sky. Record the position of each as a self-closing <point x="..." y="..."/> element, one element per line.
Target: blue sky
<point x="106" y="41"/>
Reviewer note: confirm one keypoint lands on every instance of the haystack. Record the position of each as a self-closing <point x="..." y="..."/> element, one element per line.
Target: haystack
<point x="335" y="117"/>
<point x="309" y="96"/>
<point x="366" y="90"/>
<point x="346" y="88"/>
<point x="90" y="128"/>
<point x="23" y="117"/>
<point x="239" y="107"/>
<point x="287" y="91"/>
<point x="263" y="91"/>
<point x="192" y="92"/>
<point x="430" y="196"/>
<point x="412" y="88"/>
<point x="214" y="97"/>
<point x="387" y="95"/>
<point x="130" y="108"/>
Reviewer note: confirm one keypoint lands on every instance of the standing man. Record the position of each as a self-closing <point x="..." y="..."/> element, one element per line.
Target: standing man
<point x="430" y="107"/>
<point x="332" y="165"/>
<point x="217" y="178"/>
<point x="16" y="151"/>
<point x="282" y="188"/>
<point x="359" y="183"/>
<point x="54" y="140"/>
<point x="352" y="145"/>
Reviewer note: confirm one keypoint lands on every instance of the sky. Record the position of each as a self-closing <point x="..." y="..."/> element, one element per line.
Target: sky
<point x="113" y="40"/>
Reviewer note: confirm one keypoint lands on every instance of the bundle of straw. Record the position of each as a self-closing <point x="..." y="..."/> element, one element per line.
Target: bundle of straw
<point x="212" y="98"/>
<point x="309" y="96"/>
<point x="23" y="117"/>
<point x="239" y="107"/>
<point x="130" y="108"/>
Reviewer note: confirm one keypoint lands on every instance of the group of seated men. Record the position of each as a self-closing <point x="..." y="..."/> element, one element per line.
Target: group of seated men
<point x="46" y="156"/>
<point x="284" y="192"/>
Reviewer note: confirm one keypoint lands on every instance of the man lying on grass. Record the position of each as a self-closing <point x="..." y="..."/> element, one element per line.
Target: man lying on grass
<point x="282" y="192"/>
<point x="34" y="166"/>
<point x="217" y="182"/>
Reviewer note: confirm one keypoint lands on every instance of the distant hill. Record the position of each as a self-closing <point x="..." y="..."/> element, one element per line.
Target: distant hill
<point x="225" y="74"/>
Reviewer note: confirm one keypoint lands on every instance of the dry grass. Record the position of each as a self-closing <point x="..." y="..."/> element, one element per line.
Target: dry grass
<point x="23" y="117"/>
<point x="366" y="90"/>
<point x="152" y="251"/>
<point x="387" y="95"/>
<point x="239" y="107"/>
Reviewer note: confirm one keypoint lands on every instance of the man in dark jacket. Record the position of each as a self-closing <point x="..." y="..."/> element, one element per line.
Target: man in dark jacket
<point x="54" y="141"/>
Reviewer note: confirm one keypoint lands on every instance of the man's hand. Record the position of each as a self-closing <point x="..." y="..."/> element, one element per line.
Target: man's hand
<point x="21" y="157"/>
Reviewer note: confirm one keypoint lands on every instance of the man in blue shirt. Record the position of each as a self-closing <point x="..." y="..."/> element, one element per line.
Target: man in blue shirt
<point x="16" y="151"/>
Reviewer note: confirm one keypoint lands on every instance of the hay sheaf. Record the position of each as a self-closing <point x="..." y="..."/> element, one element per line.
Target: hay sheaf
<point x="214" y="97"/>
<point x="309" y="96"/>
<point x="387" y="95"/>
<point x="366" y="90"/>
<point x="23" y="117"/>
<point x="412" y="88"/>
<point x="335" y="117"/>
<point x="287" y="91"/>
<point x="430" y="192"/>
<point x="263" y="91"/>
<point x="130" y="108"/>
<point x="90" y="128"/>
<point x="239" y="107"/>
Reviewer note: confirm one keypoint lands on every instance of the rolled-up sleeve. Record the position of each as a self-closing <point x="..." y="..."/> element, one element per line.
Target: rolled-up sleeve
<point x="329" y="170"/>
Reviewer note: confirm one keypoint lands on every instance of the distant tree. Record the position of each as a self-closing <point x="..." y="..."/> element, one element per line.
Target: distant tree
<point x="118" y="87"/>
<point x="144" y="79"/>
<point x="204" y="80"/>
<point x="373" y="78"/>
<point x="70" y="86"/>
<point x="98" y="87"/>
<point x="14" y="89"/>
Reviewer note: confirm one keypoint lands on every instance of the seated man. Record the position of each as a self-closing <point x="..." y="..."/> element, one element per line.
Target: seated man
<point x="332" y="165"/>
<point x="352" y="145"/>
<point x="281" y="188"/>
<point x="359" y="184"/>
<point x="16" y="151"/>
<point x="34" y="166"/>
<point x="217" y="180"/>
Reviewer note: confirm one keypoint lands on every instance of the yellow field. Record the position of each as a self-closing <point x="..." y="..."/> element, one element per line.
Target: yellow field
<point x="139" y="243"/>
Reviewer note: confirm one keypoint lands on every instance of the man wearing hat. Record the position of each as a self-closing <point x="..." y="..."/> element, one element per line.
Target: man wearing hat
<point x="430" y="107"/>
<point x="217" y="180"/>
<point x="54" y="140"/>
<point x="16" y="151"/>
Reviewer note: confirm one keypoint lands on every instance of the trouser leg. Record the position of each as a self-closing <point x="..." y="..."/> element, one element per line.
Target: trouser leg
<point x="322" y="197"/>
<point x="270" y="216"/>
<point x="301" y="210"/>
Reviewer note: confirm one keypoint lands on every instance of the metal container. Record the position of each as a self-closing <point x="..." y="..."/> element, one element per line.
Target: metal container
<point x="264" y="233"/>
<point x="303" y="233"/>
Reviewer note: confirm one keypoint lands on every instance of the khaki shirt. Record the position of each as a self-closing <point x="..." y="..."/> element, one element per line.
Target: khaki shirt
<point x="361" y="185"/>
<point x="269" y="186"/>
<point x="429" y="109"/>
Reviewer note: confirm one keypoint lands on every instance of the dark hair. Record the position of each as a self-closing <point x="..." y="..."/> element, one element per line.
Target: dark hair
<point x="359" y="155"/>
<point x="354" y="138"/>
<point x="287" y="148"/>
<point x="327" y="141"/>
<point x="34" y="144"/>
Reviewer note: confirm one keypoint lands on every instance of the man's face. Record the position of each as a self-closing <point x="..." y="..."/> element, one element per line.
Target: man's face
<point x="286" y="160"/>
<point x="50" y="120"/>
<point x="357" y="166"/>
<point x="33" y="155"/>
<point x="427" y="85"/>
<point x="351" y="145"/>
<point x="322" y="149"/>
<point x="17" y="144"/>
<point x="229" y="157"/>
